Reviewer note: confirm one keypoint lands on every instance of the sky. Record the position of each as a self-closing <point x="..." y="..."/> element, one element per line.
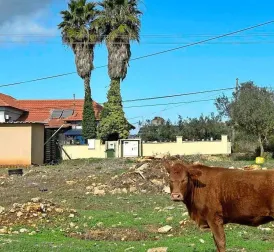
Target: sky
<point x="31" y="47"/>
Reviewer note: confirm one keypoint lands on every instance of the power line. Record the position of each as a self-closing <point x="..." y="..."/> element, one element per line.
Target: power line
<point x="153" y="54"/>
<point x="176" y="95"/>
<point x="174" y="35"/>
<point x="170" y="103"/>
<point x="165" y="109"/>
<point x="152" y="43"/>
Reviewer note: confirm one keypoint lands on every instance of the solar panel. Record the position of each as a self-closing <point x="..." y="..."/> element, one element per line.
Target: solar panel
<point x="67" y="113"/>
<point x="56" y="113"/>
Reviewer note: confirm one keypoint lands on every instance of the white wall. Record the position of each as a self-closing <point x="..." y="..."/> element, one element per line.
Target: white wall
<point x="2" y="116"/>
<point x="14" y="114"/>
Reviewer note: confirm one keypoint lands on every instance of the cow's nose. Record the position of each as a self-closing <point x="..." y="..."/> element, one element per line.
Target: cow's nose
<point x="176" y="196"/>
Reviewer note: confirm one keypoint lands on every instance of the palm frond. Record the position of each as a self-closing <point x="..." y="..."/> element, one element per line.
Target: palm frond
<point x="77" y="23"/>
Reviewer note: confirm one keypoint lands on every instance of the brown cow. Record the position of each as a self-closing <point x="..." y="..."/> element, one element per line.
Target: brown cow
<point x="215" y="196"/>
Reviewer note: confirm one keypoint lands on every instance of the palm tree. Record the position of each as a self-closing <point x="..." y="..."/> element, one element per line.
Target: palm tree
<point x="78" y="33"/>
<point x="119" y="23"/>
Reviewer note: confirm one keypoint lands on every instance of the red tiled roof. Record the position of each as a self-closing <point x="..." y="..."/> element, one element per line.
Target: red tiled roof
<point x="8" y="101"/>
<point x="40" y="110"/>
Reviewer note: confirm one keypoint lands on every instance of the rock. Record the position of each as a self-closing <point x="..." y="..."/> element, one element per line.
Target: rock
<point x="169" y="219"/>
<point x="72" y="224"/>
<point x="124" y="190"/>
<point x="97" y="191"/>
<point x="99" y="224"/>
<point x="164" y="229"/>
<point x="59" y="210"/>
<point x="128" y="249"/>
<point x="36" y="200"/>
<point x="43" y="208"/>
<point x="202" y="241"/>
<point x="132" y="189"/>
<point x="23" y="230"/>
<point x="15" y="232"/>
<point x="169" y="208"/>
<point x="264" y="168"/>
<point x="19" y="214"/>
<point x="116" y="191"/>
<point x="4" y="230"/>
<point x="231" y="167"/>
<point x="166" y="189"/>
<point x="2" y="209"/>
<point x="89" y="188"/>
<point x="17" y="205"/>
<point x="182" y="223"/>
<point x="160" y="249"/>
<point x="197" y="163"/>
<point x="32" y="233"/>
<point x="265" y="229"/>
<point x="157" y="182"/>
<point x="70" y="182"/>
<point x="71" y="216"/>
<point x="185" y="214"/>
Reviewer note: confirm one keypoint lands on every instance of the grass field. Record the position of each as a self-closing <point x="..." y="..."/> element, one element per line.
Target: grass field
<point x="109" y="222"/>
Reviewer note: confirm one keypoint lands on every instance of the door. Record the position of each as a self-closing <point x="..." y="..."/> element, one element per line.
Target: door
<point x="130" y="148"/>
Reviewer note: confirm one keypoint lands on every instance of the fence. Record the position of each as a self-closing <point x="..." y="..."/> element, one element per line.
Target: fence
<point x="179" y="147"/>
<point x="83" y="151"/>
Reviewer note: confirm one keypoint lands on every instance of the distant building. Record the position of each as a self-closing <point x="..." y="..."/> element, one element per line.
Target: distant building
<point x="157" y="121"/>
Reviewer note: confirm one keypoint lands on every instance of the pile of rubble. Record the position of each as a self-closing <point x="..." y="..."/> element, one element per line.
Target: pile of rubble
<point x="145" y="177"/>
<point x="141" y="178"/>
<point x="30" y="214"/>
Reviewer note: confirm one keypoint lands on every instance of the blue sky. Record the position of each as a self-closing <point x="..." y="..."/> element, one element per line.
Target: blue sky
<point x="202" y="67"/>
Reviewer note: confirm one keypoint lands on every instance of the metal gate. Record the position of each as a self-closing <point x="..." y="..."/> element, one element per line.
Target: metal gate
<point x="130" y="148"/>
<point x="52" y="153"/>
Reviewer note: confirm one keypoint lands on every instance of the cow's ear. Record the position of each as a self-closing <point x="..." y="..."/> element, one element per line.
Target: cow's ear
<point x="194" y="173"/>
<point x="167" y="165"/>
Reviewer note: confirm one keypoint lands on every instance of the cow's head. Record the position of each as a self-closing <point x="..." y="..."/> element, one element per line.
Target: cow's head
<point x="179" y="179"/>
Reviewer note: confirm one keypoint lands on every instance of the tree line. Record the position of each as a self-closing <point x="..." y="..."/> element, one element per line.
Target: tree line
<point x="192" y="129"/>
<point x="247" y="117"/>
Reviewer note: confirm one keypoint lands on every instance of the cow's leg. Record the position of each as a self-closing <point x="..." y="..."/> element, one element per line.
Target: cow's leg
<point x="217" y="228"/>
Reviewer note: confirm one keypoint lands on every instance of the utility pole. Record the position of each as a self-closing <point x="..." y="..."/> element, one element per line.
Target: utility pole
<point x="237" y="86"/>
<point x="233" y="124"/>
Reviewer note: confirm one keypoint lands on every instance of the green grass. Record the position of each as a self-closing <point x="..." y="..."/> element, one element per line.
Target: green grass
<point x="142" y="214"/>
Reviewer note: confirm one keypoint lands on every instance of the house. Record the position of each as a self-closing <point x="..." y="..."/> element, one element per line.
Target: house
<point x="64" y="116"/>
<point x="53" y="113"/>
<point x="157" y="121"/>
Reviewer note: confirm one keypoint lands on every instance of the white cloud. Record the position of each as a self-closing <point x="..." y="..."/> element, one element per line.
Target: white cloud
<point x="21" y="19"/>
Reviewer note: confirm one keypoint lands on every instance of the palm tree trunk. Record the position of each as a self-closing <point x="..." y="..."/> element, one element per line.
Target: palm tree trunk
<point x="87" y="88"/>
